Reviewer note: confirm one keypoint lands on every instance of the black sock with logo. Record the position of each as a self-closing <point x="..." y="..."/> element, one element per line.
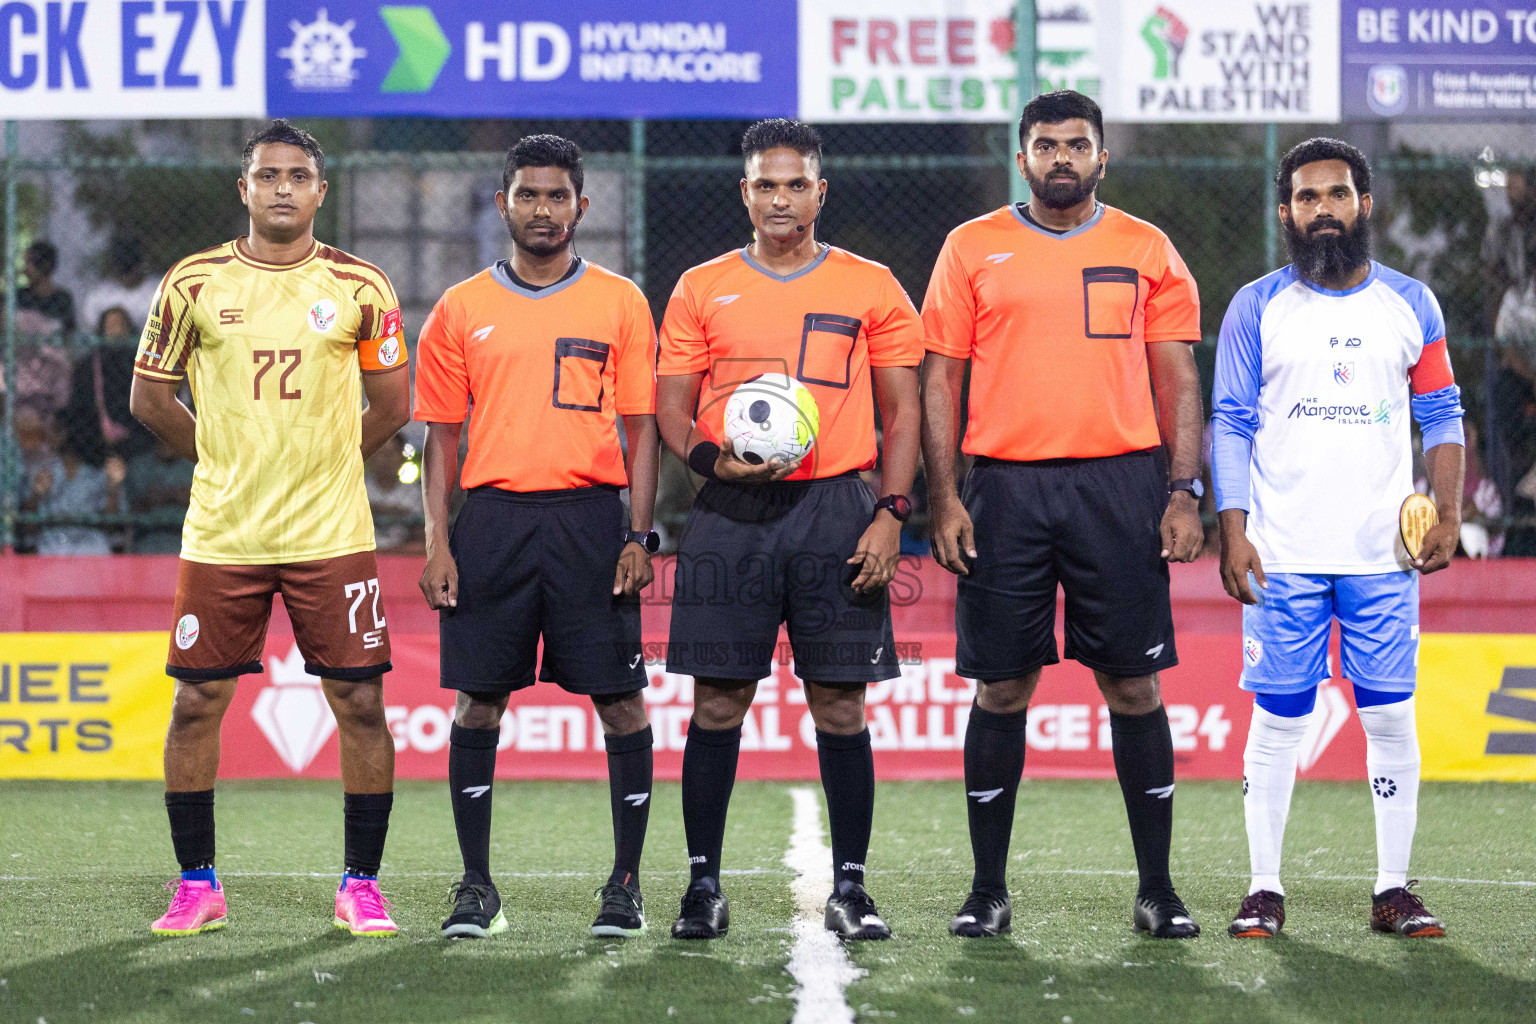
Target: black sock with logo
<point x="471" y="779"/>
<point x="629" y="790"/>
<point x="1143" y="748"/>
<point x="709" y="775"/>
<point x="994" y="762"/>
<point x="848" y="779"/>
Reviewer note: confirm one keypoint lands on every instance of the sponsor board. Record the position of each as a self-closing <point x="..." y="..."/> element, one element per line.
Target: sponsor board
<point x="538" y="58"/>
<point x="1477" y="706"/>
<point x="916" y="60"/>
<point x="96" y="705"/>
<point x="1195" y="60"/>
<point x="132" y="58"/>
<point x="280" y="725"/>
<point x="1462" y="60"/>
<point x="83" y="705"/>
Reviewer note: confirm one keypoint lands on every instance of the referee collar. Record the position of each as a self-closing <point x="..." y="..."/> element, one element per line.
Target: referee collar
<point x="821" y="257"/>
<point x="1098" y="215"/>
<point x="501" y="276"/>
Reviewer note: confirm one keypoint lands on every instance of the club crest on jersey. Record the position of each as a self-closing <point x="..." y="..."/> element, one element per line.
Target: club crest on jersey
<point x="1253" y="650"/>
<point x="187" y="631"/>
<point x="322" y="315"/>
<point x="1344" y="374"/>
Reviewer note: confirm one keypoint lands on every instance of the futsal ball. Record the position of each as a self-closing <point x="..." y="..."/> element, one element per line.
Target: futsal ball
<point x="771" y="416"/>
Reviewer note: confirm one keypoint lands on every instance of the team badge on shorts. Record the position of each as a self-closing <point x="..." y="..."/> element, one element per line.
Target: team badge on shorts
<point x="322" y="315"/>
<point x="187" y="631"/>
<point x="1253" y="650"/>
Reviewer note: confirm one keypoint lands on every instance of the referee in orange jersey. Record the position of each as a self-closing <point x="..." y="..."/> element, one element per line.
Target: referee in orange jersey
<point x="543" y="352"/>
<point x="1062" y="305"/>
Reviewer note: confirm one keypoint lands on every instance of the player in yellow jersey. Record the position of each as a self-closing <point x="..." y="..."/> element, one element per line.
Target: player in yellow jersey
<point x="280" y="337"/>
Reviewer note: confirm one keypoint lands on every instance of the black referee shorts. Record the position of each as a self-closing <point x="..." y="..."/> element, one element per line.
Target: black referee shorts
<point x="540" y="563"/>
<point x="754" y="556"/>
<point x="1094" y="527"/>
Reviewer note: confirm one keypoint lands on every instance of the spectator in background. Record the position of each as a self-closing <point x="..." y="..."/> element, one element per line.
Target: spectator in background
<point x="44" y="319"/>
<point x="159" y="488"/>
<point x="100" y="384"/>
<point x="1481" y="506"/>
<point x="53" y="306"/>
<point x="69" y="485"/>
<point x="128" y="284"/>
<point x="1511" y="438"/>
<point x="392" y="500"/>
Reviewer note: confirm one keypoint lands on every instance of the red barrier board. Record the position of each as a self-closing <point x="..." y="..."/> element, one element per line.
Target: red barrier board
<point x="279" y="724"/>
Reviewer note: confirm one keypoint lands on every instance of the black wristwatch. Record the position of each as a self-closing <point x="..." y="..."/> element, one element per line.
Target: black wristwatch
<point x="648" y="539"/>
<point x="1190" y="484"/>
<point x="898" y="505"/>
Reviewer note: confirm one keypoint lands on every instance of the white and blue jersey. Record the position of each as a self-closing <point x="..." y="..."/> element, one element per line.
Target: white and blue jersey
<point x="1310" y="411"/>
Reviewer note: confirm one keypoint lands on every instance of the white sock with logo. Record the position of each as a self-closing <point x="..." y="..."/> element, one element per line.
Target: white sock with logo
<point x="1269" y="776"/>
<point x="1392" y="761"/>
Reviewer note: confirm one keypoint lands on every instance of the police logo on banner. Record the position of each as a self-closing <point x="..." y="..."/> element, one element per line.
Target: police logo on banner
<point x="1386" y="89"/>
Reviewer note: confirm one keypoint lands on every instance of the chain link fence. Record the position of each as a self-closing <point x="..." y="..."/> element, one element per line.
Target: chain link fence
<point x="117" y="203"/>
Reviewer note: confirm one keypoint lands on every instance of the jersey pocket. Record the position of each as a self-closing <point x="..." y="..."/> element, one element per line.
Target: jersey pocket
<point x="1110" y="295"/>
<point x="579" y="366"/>
<point x="826" y="349"/>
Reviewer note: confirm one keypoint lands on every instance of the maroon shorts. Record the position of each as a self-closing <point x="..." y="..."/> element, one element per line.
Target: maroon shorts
<point x="334" y="603"/>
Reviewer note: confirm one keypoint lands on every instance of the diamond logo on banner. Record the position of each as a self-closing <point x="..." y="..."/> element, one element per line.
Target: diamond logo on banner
<point x="1331" y="714"/>
<point x="292" y="712"/>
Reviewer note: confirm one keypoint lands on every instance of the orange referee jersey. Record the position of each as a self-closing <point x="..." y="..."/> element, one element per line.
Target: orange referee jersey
<point x="1056" y="327"/>
<point x="541" y="374"/>
<point x="826" y="325"/>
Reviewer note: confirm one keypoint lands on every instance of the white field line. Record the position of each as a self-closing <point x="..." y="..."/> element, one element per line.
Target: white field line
<point x="817" y="961"/>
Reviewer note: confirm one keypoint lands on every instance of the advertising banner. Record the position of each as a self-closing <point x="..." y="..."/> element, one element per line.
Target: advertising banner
<point x="132" y="58"/>
<point x="280" y="725"/>
<point x="1196" y="60"/>
<point x="96" y="705"/>
<point x="1466" y="59"/>
<point x="538" y="58"/>
<point x="1477" y="707"/>
<point x="83" y="705"/>
<point x="916" y="60"/>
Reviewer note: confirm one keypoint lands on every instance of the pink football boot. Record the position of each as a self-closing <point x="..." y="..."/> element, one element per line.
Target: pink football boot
<point x="362" y="910"/>
<point x="196" y="907"/>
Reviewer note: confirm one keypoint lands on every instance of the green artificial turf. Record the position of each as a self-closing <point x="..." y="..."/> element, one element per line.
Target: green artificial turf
<point x="82" y="869"/>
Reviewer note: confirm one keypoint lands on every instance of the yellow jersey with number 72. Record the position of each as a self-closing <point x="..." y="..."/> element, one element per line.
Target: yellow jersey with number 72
<point x="273" y="355"/>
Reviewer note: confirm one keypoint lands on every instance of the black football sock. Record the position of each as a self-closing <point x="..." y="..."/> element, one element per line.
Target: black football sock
<point x="1144" y="762"/>
<point x="709" y="775"/>
<point x="994" y="762"/>
<point x="471" y="776"/>
<point x="367" y="823"/>
<point x="848" y="779"/>
<point x="192" y="828"/>
<point x="629" y="790"/>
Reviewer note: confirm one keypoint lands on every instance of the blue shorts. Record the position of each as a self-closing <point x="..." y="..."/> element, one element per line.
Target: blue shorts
<point x="1285" y="635"/>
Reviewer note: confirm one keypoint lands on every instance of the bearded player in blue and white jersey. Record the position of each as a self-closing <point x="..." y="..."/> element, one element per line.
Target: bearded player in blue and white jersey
<point x="1319" y="365"/>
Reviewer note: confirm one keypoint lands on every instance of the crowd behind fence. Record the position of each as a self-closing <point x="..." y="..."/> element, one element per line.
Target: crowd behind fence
<point x="96" y="217"/>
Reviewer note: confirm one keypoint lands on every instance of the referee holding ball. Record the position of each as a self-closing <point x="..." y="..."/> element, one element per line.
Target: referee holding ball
<point x="541" y="351"/>
<point x="1062" y="305"/>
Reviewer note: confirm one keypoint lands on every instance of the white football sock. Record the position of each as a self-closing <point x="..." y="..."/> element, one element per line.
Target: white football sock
<point x="1392" y="761"/>
<point x="1269" y="775"/>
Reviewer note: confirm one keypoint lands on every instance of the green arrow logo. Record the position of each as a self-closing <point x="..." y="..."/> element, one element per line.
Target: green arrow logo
<point x="423" y="49"/>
